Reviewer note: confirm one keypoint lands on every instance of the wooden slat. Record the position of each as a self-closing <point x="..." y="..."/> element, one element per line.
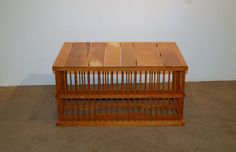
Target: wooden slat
<point x="97" y="55"/>
<point x="78" y="56"/>
<point x="128" y="54"/>
<point x="170" y="54"/>
<point x="147" y="54"/>
<point x="112" y="54"/>
<point x="63" y="55"/>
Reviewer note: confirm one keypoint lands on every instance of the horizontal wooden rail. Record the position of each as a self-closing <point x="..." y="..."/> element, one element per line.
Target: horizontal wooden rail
<point x="119" y="96"/>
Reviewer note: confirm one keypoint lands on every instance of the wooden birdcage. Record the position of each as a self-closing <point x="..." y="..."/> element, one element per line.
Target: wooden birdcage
<point x="139" y="84"/>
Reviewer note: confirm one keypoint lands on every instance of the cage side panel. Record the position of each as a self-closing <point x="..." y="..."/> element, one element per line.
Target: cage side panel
<point x="60" y="89"/>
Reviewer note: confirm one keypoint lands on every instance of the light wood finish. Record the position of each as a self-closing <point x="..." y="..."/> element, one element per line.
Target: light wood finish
<point x="128" y="54"/>
<point x="78" y="55"/>
<point x="136" y="84"/>
<point x="63" y="55"/>
<point x="170" y="54"/>
<point x="97" y="55"/>
<point x="113" y="55"/>
<point x="147" y="54"/>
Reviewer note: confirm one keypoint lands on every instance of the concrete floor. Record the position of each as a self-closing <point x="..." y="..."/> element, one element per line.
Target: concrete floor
<point x="27" y="124"/>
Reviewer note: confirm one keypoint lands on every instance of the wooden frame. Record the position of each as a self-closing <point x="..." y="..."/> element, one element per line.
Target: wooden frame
<point x="119" y="84"/>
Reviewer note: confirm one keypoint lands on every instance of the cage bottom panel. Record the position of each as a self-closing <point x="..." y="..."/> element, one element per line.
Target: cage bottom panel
<point x="120" y="109"/>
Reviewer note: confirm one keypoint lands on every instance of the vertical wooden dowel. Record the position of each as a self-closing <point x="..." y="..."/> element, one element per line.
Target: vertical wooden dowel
<point x="180" y="82"/>
<point x="117" y="109"/>
<point x="145" y="82"/>
<point x="126" y="81"/>
<point x="112" y="85"/>
<point x="163" y="82"/>
<point x="131" y="81"/>
<point x="150" y="107"/>
<point x="108" y="81"/>
<point x="154" y="81"/>
<point x="80" y="86"/>
<point x="88" y="81"/>
<point x="105" y="81"/>
<point x="70" y="81"/>
<point x="82" y="81"/>
<point x="117" y="80"/>
<point x="122" y="81"/>
<point x="76" y="81"/>
<point x="158" y="82"/>
<point x="78" y="109"/>
<point x="140" y="84"/>
<point x="169" y="74"/>
<point x="94" y="89"/>
<point x="175" y="82"/>
<point x="135" y="81"/>
<point x="95" y="108"/>
<point x="183" y="82"/>
<point x="99" y="82"/>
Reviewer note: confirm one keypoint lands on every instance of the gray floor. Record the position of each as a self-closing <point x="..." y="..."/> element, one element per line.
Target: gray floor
<point x="27" y="117"/>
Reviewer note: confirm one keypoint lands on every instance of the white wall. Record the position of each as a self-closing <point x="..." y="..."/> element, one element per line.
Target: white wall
<point x="32" y="32"/>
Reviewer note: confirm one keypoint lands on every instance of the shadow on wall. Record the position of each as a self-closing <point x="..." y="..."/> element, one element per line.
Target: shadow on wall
<point x="39" y="79"/>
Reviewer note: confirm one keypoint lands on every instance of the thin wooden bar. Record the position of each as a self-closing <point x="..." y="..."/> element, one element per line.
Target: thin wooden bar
<point x="98" y="96"/>
<point x="183" y="83"/>
<point x="168" y="89"/>
<point x="99" y="82"/>
<point x="145" y="82"/>
<point x="112" y="85"/>
<point x="128" y="109"/>
<point x="95" y="108"/>
<point x="117" y="80"/>
<point x="140" y="82"/>
<point x="108" y="82"/>
<point x="135" y="81"/>
<point x="88" y="80"/>
<point x="174" y="82"/>
<point x="180" y="82"/>
<point x="150" y="106"/>
<point x="158" y="82"/>
<point x="122" y="82"/>
<point x="163" y="82"/>
<point x="64" y="79"/>
<point x="156" y="109"/>
<point x="70" y="81"/>
<point x="82" y="81"/>
<point x="83" y="109"/>
<point x="103" y="81"/>
<point x="154" y="80"/>
<point x="78" y="109"/>
<point x="80" y="84"/>
<point x="76" y="81"/>
<point x="89" y="109"/>
<point x="117" y="110"/>
<point x="93" y="78"/>
<point x="122" y="86"/>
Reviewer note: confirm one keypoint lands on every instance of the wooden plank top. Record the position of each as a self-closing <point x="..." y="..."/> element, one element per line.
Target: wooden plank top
<point x="119" y="54"/>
